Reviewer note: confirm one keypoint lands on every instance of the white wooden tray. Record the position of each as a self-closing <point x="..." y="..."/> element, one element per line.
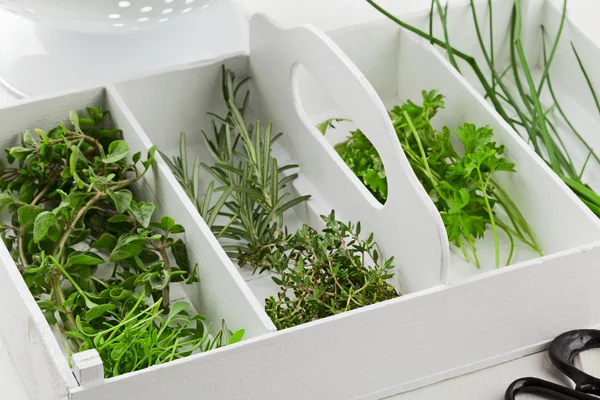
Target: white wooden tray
<point x="439" y="329"/>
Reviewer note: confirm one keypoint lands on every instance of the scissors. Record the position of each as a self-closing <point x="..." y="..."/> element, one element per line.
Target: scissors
<point x="562" y="352"/>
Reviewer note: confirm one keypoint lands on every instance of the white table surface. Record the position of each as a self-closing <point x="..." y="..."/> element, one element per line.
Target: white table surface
<point x="487" y="384"/>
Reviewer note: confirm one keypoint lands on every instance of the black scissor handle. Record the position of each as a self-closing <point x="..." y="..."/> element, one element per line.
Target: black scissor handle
<point x="563" y="350"/>
<point x="545" y="389"/>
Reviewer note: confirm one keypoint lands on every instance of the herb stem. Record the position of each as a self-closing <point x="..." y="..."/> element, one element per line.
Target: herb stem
<point x="65" y="235"/>
<point x="167" y="266"/>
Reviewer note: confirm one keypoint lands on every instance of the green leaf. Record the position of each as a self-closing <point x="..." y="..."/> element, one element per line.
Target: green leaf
<point x="74" y="120"/>
<point x="117" y="150"/>
<point x="50" y="316"/>
<point x="179" y="251"/>
<point x="106" y="241"/>
<point x="158" y="280"/>
<point x="98" y="311"/>
<point x="27" y="192"/>
<point x="78" y="236"/>
<point x="64" y="201"/>
<point x="176" y="309"/>
<point x="73" y="158"/>
<point x="120" y="294"/>
<point x="136" y="157"/>
<point x="28" y="214"/>
<point x="177" y="229"/>
<point x="193" y="277"/>
<point x="42" y="134"/>
<point x="84" y="258"/>
<point x="28" y="140"/>
<point x="167" y="223"/>
<point x="117" y="218"/>
<point x="122" y="199"/>
<point x="43" y="221"/>
<point x="19" y="152"/>
<point x="109" y="133"/>
<point x="143" y="212"/>
<point x="86" y="121"/>
<point x="95" y="113"/>
<point x="127" y="247"/>
<point x="6" y="200"/>
<point x="54" y="232"/>
<point x="150" y="158"/>
<point x="237" y="336"/>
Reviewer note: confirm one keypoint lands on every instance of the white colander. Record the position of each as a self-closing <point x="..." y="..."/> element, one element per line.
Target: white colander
<point x="62" y="45"/>
<point x="105" y="16"/>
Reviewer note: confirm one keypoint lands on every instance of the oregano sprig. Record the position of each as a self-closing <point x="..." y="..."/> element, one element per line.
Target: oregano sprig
<point x="97" y="262"/>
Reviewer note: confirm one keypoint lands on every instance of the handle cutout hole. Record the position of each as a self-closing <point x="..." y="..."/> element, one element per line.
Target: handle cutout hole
<point x="340" y="132"/>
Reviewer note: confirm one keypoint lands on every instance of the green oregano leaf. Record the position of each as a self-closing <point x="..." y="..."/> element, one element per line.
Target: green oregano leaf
<point x="6" y="200"/>
<point x="27" y="192"/>
<point x="74" y="120"/>
<point x="28" y="140"/>
<point x="142" y="212"/>
<point x="84" y="258"/>
<point x="19" y="153"/>
<point x="127" y="247"/>
<point x="179" y="251"/>
<point x="150" y="159"/>
<point x="109" y="133"/>
<point x="98" y="311"/>
<point x="117" y="219"/>
<point x="42" y="224"/>
<point x="122" y="199"/>
<point x="117" y="151"/>
<point x="28" y="214"/>
<point x="106" y="241"/>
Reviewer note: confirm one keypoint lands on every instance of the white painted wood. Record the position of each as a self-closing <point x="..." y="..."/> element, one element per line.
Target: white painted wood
<point x="87" y="367"/>
<point x="221" y="293"/>
<point x="10" y="382"/>
<point x="490" y="383"/>
<point x="387" y="56"/>
<point x="377" y="351"/>
<point x="476" y="317"/>
<point x="408" y="226"/>
<point x="400" y="66"/>
<point x="407" y="343"/>
<point x="36" y="355"/>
